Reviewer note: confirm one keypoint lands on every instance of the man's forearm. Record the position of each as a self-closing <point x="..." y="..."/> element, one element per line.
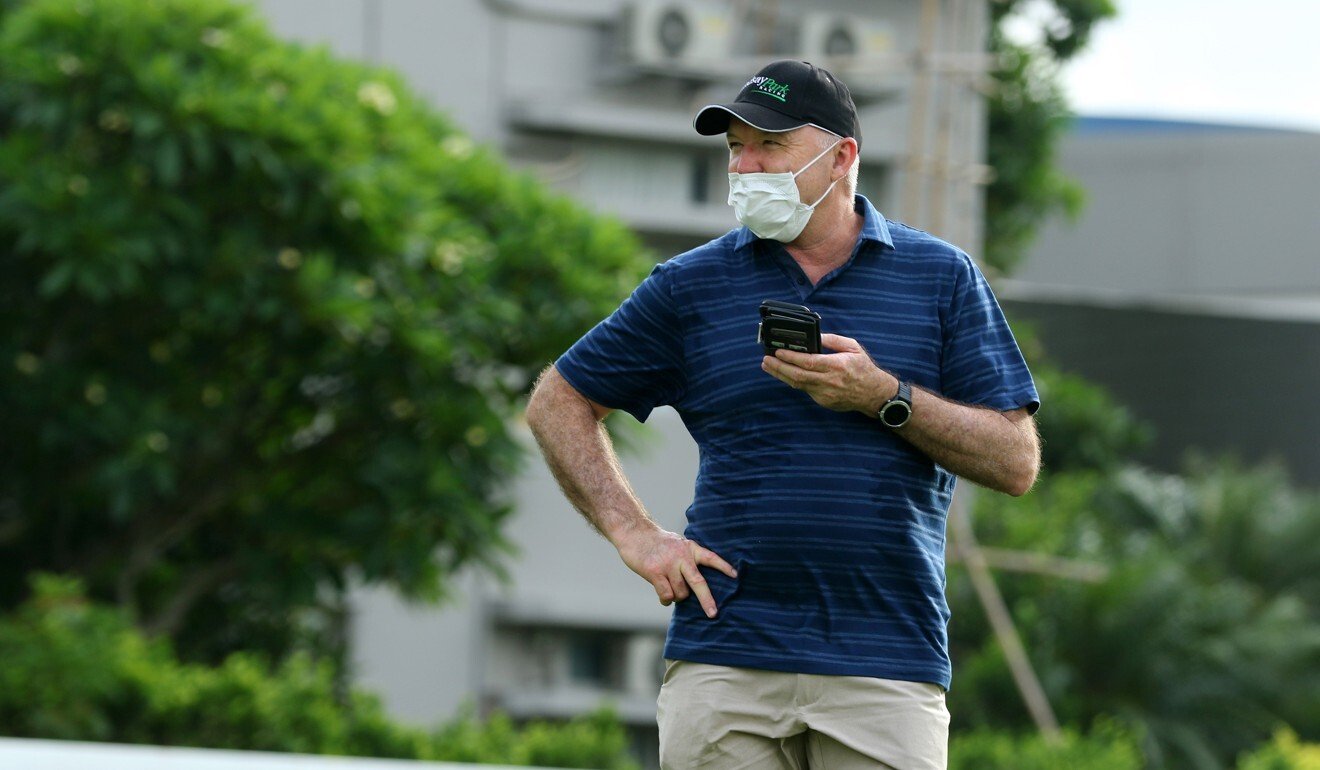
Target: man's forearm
<point x="995" y="449"/>
<point x="999" y="450"/>
<point x="581" y="457"/>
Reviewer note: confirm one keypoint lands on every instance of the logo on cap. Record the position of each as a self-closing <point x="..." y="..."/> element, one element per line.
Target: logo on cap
<point x="770" y="87"/>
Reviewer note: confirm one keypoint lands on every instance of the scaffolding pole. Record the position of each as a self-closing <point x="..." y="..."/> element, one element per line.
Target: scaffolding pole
<point x="983" y="582"/>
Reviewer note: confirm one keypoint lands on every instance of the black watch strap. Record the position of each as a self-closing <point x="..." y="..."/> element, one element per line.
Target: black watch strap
<point x="895" y="412"/>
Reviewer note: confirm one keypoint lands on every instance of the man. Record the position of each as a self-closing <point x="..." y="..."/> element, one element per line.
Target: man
<point x="810" y="621"/>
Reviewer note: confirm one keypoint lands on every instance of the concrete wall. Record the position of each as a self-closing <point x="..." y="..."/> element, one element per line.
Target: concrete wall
<point x="1210" y="377"/>
<point x="1186" y="211"/>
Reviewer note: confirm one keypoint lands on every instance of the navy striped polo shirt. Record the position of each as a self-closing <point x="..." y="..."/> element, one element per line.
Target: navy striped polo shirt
<point x="835" y="524"/>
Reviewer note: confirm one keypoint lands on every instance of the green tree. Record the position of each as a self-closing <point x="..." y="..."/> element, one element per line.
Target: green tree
<point x="265" y="320"/>
<point x="1027" y="115"/>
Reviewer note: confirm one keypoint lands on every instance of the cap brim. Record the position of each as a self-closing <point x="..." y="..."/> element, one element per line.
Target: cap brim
<point x="714" y="118"/>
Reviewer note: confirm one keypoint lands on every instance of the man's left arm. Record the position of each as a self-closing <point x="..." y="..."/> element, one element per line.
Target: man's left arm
<point x="999" y="450"/>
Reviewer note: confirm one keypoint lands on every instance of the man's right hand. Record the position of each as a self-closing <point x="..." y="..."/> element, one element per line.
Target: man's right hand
<point x="669" y="563"/>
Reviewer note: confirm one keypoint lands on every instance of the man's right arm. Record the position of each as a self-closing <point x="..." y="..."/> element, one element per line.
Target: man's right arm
<point x="569" y="429"/>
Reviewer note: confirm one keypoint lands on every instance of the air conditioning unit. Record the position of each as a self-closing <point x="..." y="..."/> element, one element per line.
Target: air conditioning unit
<point x="829" y="38"/>
<point x="684" y="36"/>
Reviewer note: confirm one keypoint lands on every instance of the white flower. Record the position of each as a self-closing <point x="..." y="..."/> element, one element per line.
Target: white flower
<point x="215" y="38"/>
<point x="68" y="64"/>
<point x="377" y="96"/>
<point x="457" y="146"/>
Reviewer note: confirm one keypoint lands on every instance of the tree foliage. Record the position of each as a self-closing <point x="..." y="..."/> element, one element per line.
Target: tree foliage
<point x="1027" y="115"/>
<point x="78" y="671"/>
<point x="265" y="319"/>
<point x="1285" y="752"/>
<point x="1083" y="427"/>
<point x="1203" y="639"/>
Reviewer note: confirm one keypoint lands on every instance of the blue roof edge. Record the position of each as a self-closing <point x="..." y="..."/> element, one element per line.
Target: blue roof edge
<point x="1091" y="125"/>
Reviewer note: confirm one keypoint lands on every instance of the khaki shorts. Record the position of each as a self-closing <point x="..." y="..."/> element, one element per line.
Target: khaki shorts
<point x="725" y="718"/>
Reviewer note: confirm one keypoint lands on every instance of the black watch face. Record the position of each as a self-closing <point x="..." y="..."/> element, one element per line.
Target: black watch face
<point x="895" y="414"/>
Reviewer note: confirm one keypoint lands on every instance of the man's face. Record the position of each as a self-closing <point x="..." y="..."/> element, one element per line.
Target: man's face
<point x="752" y="151"/>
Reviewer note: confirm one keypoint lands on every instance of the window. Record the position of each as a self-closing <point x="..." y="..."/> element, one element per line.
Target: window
<point x="595" y="658"/>
<point x="699" y="178"/>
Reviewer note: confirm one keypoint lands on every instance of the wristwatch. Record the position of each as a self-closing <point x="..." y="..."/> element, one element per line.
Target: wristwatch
<point x="898" y="410"/>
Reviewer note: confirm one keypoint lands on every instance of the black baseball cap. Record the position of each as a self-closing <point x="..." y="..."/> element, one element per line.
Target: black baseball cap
<point x="785" y="95"/>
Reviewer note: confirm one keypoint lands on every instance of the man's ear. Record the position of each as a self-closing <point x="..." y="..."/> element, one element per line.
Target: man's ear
<point x="845" y="155"/>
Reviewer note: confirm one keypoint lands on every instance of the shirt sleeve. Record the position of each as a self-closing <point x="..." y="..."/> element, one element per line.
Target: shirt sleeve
<point x="633" y="360"/>
<point x="982" y="363"/>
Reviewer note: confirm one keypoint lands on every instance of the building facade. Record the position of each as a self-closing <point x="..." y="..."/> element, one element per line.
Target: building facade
<point x="596" y="97"/>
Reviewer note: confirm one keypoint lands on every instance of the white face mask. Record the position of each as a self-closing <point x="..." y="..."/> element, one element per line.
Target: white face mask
<point x="770" y="205"/>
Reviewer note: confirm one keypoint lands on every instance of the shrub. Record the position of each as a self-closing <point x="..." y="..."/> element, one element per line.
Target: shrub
<point x="1285" y="752"/>
<point x="1203" y="636"/>
<point x="1105" y="749"/>
<point x="1082" y="426"/>
<point x="78" y="671"/>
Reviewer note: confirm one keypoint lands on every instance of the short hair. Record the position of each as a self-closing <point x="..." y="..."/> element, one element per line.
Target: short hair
<point x="824" y="139"/>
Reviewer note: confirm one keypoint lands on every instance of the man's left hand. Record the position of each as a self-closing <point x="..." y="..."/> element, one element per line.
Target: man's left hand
<point x="845" y="380"/>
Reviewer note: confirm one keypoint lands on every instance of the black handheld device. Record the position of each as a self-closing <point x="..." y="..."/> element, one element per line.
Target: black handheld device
<point x="785" y="326"/>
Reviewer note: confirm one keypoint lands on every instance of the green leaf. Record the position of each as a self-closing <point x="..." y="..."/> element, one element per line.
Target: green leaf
<point x="169" y="161"/>
<point x="57" y="279"/>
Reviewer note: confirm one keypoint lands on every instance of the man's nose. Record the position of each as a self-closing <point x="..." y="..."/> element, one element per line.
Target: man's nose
<point x="747" y="162"/>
